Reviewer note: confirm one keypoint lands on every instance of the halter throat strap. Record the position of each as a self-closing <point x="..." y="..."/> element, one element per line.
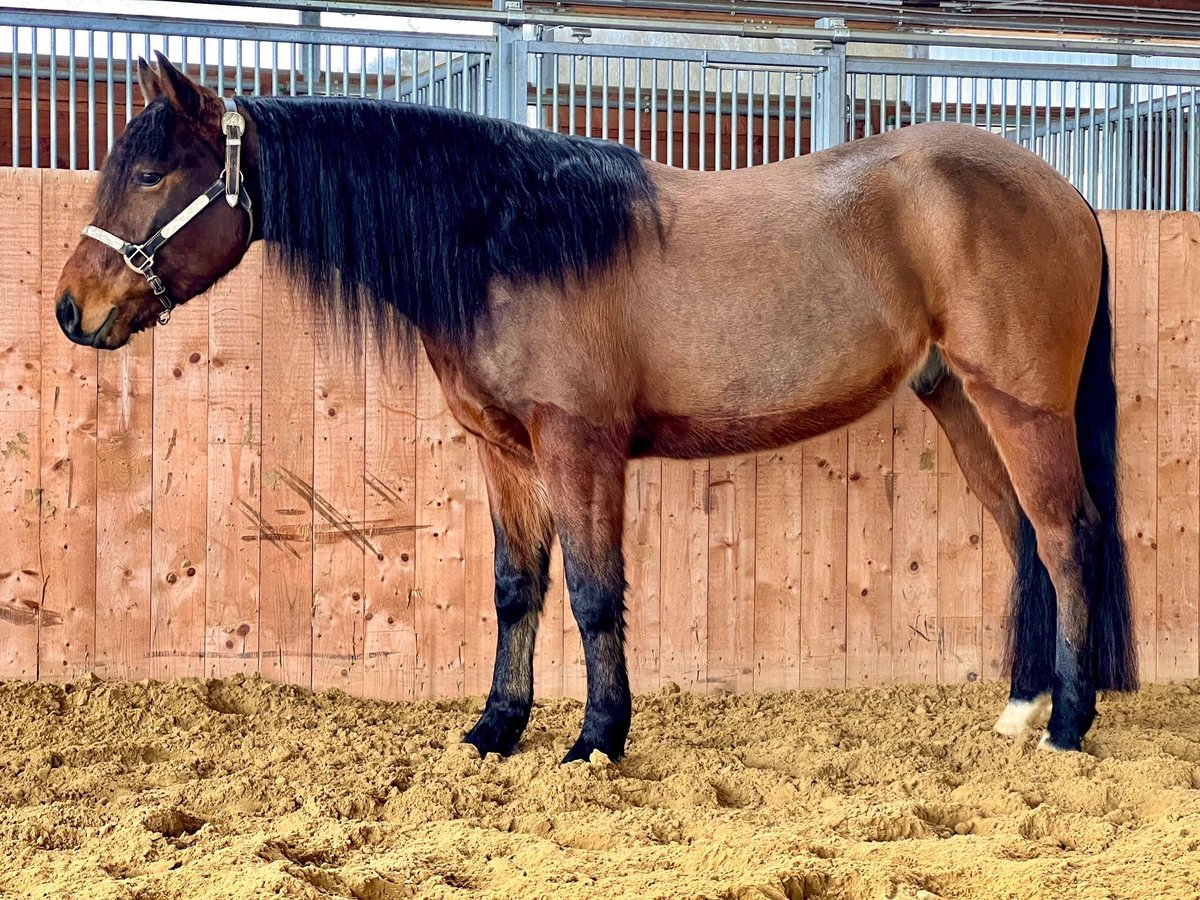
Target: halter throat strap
<point x="140" y="257"/>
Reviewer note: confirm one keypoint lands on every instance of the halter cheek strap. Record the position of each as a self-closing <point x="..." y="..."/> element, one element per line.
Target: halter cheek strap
<point x="140" y="257"/>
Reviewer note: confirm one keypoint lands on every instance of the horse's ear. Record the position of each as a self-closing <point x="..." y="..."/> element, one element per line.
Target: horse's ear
<point x="149" y="81"/>
<point x="178" y="88"/>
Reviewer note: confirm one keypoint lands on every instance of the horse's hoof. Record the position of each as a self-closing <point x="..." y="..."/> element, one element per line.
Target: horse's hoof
<point x="1047" y="743"/>
<point x="584" y="747"/>
<point x="1019" y="715"/>
<point x="492" y="735"/>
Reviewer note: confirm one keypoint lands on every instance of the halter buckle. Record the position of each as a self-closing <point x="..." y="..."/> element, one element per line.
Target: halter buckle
<point x="142" y="267"/>
<point x="233" y="125"/>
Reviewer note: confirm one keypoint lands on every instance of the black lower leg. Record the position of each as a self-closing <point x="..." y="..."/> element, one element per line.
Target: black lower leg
<point x="1032" y="637"/>
<point x="1074" y="691"/>
<point x="598" y="602"/>
<point x="519" y="594"/>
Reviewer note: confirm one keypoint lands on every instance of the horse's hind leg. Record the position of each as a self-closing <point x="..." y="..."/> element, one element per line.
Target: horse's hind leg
<point x="524" y="532"/>
<point x="1040" y="449"/>
<point x="1031" y="637"/>
<point x="584" y="469"/>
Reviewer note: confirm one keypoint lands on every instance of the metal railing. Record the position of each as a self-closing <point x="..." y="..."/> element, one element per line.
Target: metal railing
<point x="1128" y="137"/>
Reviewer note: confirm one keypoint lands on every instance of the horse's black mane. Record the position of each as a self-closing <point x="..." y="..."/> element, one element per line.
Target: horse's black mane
<point x="385" y="208"/>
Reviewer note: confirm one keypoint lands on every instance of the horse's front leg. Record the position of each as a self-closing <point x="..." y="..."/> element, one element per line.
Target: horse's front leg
<point x="524" y="532"/>
<point x="584" y="470"/>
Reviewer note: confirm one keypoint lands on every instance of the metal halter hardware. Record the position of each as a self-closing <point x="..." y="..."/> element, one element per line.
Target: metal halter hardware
<point x="140" y="257"/>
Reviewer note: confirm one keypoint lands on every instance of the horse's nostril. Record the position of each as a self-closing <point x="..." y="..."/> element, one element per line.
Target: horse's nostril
<point x="68" y="316"/>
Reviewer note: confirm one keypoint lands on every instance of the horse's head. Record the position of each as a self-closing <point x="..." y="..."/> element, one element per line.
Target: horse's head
<point x="143" y="254"/>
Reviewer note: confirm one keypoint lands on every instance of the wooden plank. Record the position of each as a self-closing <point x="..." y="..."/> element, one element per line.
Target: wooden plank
<point x="823" y="572"/>
<point x="479" y="652"/>
<point x="1133" y="254"/>
<point x="68" y="446"/>
<point x="1178" y="558"/>
<point x="548" y="650"/>
<point x="997" y="591"/>
<point x="642" y="545"/>
<point x="21" y="576"/>
<point x="683" y="641"/>
<point x="960" y="572"/>
<point x="339" y="499"/>
<point x="778" y="552"/>
<point x="914" y="542"/>
<point x="231" y="626"/>
<point x="390" y="634"/>
<point x="125" y="428"/>
<point x="178" y="581"/>
<point x="731" y="601"/>
<point x="869" y="500"/>
<point x="440" y="577"/>
<point x="286" y="517"/>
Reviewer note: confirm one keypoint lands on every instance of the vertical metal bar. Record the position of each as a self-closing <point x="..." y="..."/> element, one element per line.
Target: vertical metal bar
<point x="72" y="140"/>
<point x="687" y="114"/>
<point x="481" y="82"/>
<point x="717" y="142"/>
<point x="654" y="110"/>
<point x="733" y="119"/>
<point x="328" y="48"/>
<point x="1162" y="152"/>
<point x="538" y="88"/>
<point x="882" y="103"/>
<point x="958" y="83"/>
<point x="912" y="101"/>
<point x="798" y="118"/>
<point x="221" y="66"/>
<point x="637" y="104"/>
<point x="605" y="101"/>
<point x="572" y="62"/>
<point x="554" y="88"/>
<point x="54" y="98"/>
<point x="670" y="112"/>
<point x="1135" y="174"/>
<point x="275" y="69"/>
<point x="750" y="117"/>
<point x="345" y="71"/>
<point x="34" y="137"/>
<point x="258" y="68"/>
<point x="1176" y="194"/>
<point x="16" y="102"/>
<point x="587" y="109"/>
<point x="239" y="90"/>
<point x="108" y="97"/>
<point x="974" y="99"/>
<point x="942" y="111"/>
<point x="621" y="100"/>
<point x="702" y="100"/>
<point x="362" y="73"/>
<point x="1194" y="152"/>
<point x="91" y="71"/>
<point x="203" y="60"/>
<point x="898" y="119"/>
<point x="781" y="146"/>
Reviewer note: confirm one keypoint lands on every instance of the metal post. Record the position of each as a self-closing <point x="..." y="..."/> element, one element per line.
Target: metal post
<point x="310" y="58"/>
<point x="829" y="87"/>
<point x="511" y="64"/>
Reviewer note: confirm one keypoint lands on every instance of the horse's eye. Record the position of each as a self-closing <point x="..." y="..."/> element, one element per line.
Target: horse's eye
<point x="147" y="179"/>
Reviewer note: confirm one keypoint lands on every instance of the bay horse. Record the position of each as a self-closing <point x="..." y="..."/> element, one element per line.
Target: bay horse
<point x="582" y="306"/>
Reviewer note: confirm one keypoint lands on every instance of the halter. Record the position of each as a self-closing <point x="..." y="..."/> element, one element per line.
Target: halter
<point x="140" y="257"/>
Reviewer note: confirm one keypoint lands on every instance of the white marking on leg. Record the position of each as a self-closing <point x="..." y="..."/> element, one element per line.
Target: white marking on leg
<point x="1019" y="715"/>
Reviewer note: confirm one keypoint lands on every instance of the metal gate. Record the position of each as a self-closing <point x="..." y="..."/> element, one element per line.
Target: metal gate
<point x="1127" y="136"/>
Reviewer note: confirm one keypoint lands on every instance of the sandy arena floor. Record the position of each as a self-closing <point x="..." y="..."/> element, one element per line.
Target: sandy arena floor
<point x="244" y="789"/>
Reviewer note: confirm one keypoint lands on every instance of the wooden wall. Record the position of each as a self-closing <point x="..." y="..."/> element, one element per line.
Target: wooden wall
<point x="225" y="496"/>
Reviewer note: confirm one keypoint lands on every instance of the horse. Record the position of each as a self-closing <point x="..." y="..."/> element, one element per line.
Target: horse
<point x="582" y="306"/>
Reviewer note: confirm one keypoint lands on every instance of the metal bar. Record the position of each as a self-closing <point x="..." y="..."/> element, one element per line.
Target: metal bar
<point x="587" y="110"/>
<point x="703" y="139"/>
<point x="1194" y="155"/>
<point x="654" y="110"/>
<point x="670" y="113"/>
<point x="35" y="138"/>
<point x="869" y="65"/>
<point x="733" y="120"/>
<point x="621" y="100"/>
<point x="108" y="96"/>
<point x="561" y="17"/>
<point x="798" y="118"/>
<point x="687" y="115"/>
<point x="606" y="103"/>
<point x="1162" y="156"/>
<point x="91" y="105"/>
<point x="72" y="139"/>
<point x="16" y="101"/>
<point x="637" y="104"/>
<point x="717" y="142"/>
<point x="54" y="97"/>
<point x="750" y="118"/>
<point x="1176" y="192"/>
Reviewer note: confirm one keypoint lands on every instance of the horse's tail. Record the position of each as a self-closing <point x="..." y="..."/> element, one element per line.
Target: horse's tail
<point x="1110" y="633"/>
<point x="1114" y="655"/>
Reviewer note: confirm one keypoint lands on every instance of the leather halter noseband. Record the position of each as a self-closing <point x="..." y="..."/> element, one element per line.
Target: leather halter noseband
<point x="140" y="257"/>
